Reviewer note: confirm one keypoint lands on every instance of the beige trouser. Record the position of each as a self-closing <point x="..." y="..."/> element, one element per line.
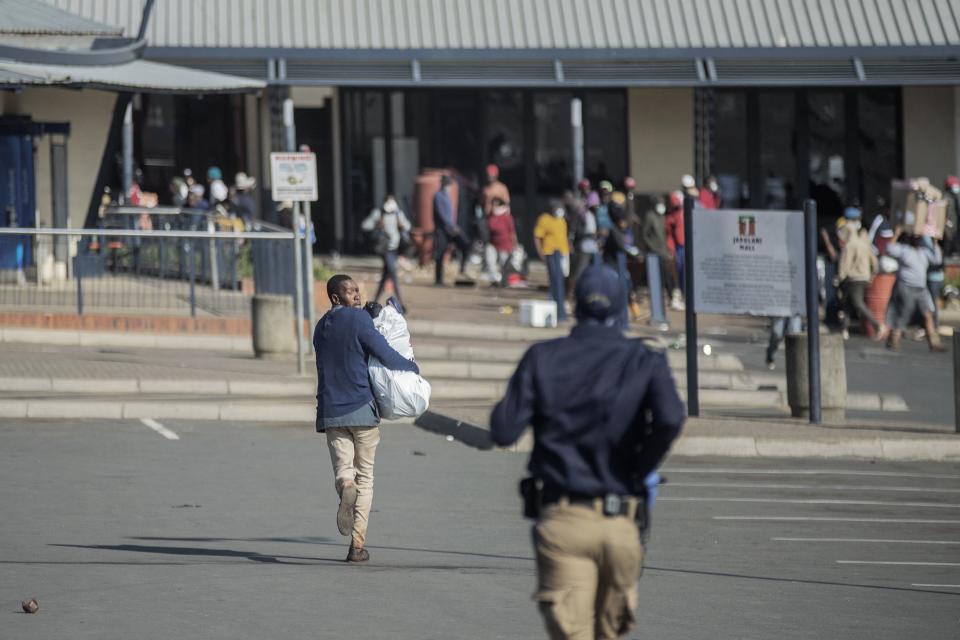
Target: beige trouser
<point x="587" y="567"/>
<point x="352" y="450"/>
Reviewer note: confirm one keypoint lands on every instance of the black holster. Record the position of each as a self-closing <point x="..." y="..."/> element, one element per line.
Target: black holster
<point x="531" y="490"/>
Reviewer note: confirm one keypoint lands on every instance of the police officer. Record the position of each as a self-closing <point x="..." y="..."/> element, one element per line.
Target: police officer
<point x="604" y="411"/>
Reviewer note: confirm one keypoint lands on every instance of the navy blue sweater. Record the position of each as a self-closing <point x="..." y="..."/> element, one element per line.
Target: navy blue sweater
<point x="343" y="340"/>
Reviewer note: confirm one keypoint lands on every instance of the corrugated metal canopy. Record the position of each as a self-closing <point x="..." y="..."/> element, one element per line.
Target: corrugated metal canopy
<point x="548" y="43"/>
<point x="32" y="17"/>
<point x="139" y="75"/>
<point x="534" y="24"/>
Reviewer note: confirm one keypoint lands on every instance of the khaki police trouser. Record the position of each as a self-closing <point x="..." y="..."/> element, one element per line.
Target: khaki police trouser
<point x="352" y="450"/>
<point x="587" y="566"/>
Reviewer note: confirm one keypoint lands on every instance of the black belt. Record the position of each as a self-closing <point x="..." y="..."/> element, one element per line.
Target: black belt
<point x="610" y="504"/>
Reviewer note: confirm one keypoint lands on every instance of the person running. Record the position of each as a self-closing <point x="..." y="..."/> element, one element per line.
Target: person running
<point x="503" y="239"/>
<point x="910" y="295"/>
<point x="391" y="224"/>
<point x="858" y="265"/>
<point x="604" y="411"/>
<point x="343" y="340"/>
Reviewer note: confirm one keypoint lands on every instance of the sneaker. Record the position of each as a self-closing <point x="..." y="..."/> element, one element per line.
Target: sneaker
<point x="846" y="334"/>
<point x="348" y="500"/>
<point x="358" y="555"/>
<point x="771" y="365"/>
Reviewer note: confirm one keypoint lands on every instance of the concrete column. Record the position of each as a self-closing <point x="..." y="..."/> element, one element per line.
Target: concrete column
<point x="661" y="134"/>
<point x="338" y="218"/>
<point x="833" y="377"/>
<point x="273" y="322"/>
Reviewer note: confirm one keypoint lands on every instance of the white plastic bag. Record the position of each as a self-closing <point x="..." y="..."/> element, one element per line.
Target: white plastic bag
<point x="399" y="394"/>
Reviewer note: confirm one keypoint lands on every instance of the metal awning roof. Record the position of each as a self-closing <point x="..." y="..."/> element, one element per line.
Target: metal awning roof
<point x="136" y="75"/>
<point x="553" y="43"/>
<point x="533" y="24"/>
<point x="37" y="18"/>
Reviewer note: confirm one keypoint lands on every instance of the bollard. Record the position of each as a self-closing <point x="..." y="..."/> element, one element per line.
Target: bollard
<point x="956" y="379"/>
<point x="833" y="377"/>
<point x="273" y="322"/>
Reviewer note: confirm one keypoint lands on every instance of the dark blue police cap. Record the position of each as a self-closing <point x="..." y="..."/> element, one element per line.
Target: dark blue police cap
<point x="599" y="294"/>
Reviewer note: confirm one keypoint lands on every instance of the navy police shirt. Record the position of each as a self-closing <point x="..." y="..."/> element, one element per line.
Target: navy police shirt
<point x="604" y="410"/>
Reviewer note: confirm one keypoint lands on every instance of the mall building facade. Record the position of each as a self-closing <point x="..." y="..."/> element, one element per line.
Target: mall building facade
<point x="781" y="101"/>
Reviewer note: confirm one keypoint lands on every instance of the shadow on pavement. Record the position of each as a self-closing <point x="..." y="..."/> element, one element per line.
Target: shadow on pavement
<point x="825" y="583"/>
<point x="327" y="542"/>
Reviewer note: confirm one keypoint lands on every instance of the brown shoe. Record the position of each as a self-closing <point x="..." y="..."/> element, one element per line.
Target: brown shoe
<point x="348" y="500"/>
<point x="893" y="343"/>
<point x="358" y="554"/>
<point x="936" y="345"/>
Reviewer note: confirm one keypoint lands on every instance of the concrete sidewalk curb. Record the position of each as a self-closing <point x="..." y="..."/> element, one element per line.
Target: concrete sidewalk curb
<point x="266" y="411"/>
<point x="152" y="386"/>
<point x="945" y="448"/>
<point x="116" y="339"/>
<point x="446" y="386"/>
<point x="942" y="448"/>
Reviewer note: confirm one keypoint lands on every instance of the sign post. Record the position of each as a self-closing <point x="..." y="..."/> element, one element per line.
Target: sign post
<point x="813" y="309"/>
<point x="693" y="349"/>
<point x="294" y="178"/>
<point x="745" y="262"/>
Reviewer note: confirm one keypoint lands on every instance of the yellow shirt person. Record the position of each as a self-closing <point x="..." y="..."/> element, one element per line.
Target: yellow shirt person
<point x="551" y="235"/>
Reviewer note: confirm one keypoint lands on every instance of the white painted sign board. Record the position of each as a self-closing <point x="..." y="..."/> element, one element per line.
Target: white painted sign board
<point x="293" y="176"/>
<point x="748" y="262"/>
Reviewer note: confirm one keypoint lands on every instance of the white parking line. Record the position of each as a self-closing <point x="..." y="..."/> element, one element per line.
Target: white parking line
<point x="804" y="487"/>
<point x="831" y="519"/>
<point x="858" y="540"/>
<point x="873" y="503"/>
<point x="159" y="428"/>
<point x="808" y="472"/>
<point x="901" y="563"/>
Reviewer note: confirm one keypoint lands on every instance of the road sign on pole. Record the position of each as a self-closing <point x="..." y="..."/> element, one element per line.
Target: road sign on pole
<point x="293" y="176"/>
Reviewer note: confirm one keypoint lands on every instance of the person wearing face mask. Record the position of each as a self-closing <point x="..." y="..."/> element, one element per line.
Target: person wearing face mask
<point x="389" y="224"/>
<point x="586" y="242"/>
<point x="951" y="235"/>
<point x="652" y="241"/>
<point x="550" y="237"/>
<point x="710" y="194"/>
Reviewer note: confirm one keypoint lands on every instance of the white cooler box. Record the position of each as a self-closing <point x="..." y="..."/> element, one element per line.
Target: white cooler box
<point x="538" y="313"/>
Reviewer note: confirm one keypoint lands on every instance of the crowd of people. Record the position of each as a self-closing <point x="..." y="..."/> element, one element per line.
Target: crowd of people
<point x="607" y="225"/>
<point x="855" y="254"/>
<point x="232" y="207"/>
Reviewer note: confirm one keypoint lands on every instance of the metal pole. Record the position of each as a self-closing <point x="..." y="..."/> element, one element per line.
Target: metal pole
<point x="298" y="296"/>
<point x="127" y="150"/>
<point x="79" y="286"/>
<point x="290" y="141"/>
<point x="813" y="308"/>
<point x="191" y="259"/>
<point x="956" y="379"/>
<point x="308" y="251"/>
<point x="576" y="123"/>
<point x="693" y="392"/>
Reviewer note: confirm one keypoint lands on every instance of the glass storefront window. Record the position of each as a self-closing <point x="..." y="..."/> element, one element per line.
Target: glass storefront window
<point x="605" y="128"/>
<point x="878" y="145"/>
<point x="729" y="148"/>
<point x="778" y="149"/>
<point x="827" y="159"/>
<point x="775" y="148"/>
<point x="554" y="143"/>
